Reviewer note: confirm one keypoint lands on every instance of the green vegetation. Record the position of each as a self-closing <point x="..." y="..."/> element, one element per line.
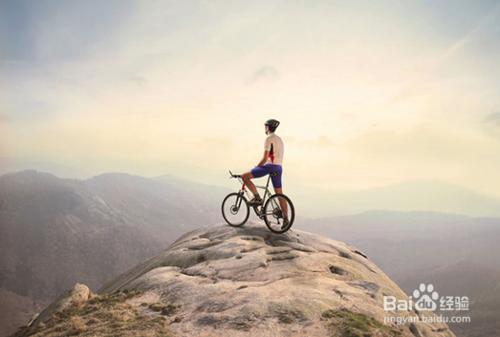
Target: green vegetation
<point x="103" y="315"/>
<point x="345" y="323"/>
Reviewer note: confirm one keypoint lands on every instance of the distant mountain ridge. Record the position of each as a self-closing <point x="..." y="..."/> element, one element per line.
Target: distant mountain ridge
<point x="55" y="232"/>
<point x="410" y="195"/>
<point x="418" y="195"/>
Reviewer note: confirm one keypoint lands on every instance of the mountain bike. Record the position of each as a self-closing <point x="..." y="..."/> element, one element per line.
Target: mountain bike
<point x="273" y="209"/>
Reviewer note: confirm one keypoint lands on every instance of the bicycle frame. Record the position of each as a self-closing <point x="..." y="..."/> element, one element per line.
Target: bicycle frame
<point x="270" y="209"/>
<point x="247" y="193"/>
<point x="267" y="193"/>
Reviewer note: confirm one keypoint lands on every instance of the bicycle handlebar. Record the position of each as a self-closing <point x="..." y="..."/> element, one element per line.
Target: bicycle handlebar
<point x="232" y="175"/>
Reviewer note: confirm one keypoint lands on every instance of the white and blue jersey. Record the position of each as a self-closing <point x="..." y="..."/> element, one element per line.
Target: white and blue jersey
<point x="275" y="148"/>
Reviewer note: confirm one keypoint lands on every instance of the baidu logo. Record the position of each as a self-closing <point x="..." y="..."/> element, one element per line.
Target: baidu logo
<point x="425" y="298"/>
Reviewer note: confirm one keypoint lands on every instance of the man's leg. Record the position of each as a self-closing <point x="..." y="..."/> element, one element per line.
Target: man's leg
<point x="256" y="172"/>
<point x="248" y="182"/>
<point x="283" y="204"/>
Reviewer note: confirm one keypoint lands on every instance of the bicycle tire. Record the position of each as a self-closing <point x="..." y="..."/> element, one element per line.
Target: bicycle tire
<point x="246" y="207"/>
<point x="291" y="212"/>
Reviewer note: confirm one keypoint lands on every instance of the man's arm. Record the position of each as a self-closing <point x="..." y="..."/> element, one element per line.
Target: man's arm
<point x="264" y="159"/>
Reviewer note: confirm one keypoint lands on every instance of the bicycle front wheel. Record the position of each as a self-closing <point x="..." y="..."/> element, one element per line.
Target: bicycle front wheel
<point x="279" y="213"/>
<point x="235" y="209"/>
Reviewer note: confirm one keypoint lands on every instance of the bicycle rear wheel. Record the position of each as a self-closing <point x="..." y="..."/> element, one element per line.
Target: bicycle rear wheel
<point x="278" y="208"/>
<point x="235" y="209"/>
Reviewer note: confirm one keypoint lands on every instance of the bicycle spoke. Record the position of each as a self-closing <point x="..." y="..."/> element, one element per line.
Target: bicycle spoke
<point x="235" y="209"/>
<point x="278" y="213"/>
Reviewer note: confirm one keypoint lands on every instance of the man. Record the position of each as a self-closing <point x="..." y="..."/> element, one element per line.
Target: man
<point x="271" y="162"/>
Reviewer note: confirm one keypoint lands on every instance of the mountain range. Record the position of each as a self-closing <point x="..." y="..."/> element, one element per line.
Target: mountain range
<point x="406" y="196"/>
<point x="55" y="232"/>
<point x="315" y="202"/>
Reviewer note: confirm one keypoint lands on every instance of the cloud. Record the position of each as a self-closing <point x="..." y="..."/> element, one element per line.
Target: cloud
<point x="139" y="80"/>
<point x="264" y="74"/>
<point x="155" y="83"/>
<point x="25" y="109"/>
<point x="322" y="141"/>
<point x="483" y="22"/>
<point x="491" y="125"/>
<point x="492" y="119"/>
<point x="51" y="31"/>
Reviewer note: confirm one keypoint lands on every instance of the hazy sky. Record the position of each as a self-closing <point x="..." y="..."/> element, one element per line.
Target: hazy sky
<point x="368" y="92"/>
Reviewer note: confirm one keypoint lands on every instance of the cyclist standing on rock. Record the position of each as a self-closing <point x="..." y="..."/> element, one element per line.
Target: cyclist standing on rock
<point x="270" y="163"/>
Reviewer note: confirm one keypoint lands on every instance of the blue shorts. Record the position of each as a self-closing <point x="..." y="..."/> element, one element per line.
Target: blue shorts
<point x="260" y="171"/>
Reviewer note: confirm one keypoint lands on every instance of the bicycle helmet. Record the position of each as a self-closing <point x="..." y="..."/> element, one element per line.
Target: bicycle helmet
<point x="272" y="124"/>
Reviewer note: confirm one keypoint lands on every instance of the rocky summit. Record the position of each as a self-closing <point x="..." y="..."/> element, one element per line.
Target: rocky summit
<point x="225" y="281"/>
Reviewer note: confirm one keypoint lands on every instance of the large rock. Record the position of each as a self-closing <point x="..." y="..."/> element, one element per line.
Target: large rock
<point x="218" y="281"/>
<point x="76" y="297"/>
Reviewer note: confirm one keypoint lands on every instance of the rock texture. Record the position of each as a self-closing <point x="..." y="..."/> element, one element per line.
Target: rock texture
<point x="218" y="281"/>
